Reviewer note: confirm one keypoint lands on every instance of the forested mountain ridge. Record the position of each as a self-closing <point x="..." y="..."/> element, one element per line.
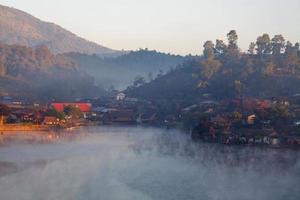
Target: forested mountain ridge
<point x="18" y="27"/>
<point x="39" y="74"/>
<point x="16" y="61"/>
<point x="120" y="71"/>
<point x="270" y="68"/>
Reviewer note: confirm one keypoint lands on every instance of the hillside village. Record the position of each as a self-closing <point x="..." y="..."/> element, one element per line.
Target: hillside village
<point x="264" y="122"/>
<point x="223" y="96"/>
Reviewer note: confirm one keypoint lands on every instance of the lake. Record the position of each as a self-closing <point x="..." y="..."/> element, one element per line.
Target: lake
<point x="128" y="163"/>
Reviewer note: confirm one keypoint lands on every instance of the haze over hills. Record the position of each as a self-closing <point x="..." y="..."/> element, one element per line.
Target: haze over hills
<point x="108" y="67"/>
<point x="36" y="73"/>
<point x="120" y="71"/>
<point x="18" y="27"/>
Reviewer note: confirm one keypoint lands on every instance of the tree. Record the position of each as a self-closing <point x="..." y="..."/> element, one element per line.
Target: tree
<point x="279" y="114"/>
<point x="263" y="45"/>
<point x="73" y="112"/>
<point x="236" y="116"/>
<point x="209" y="65"/>
<point x="238" y="88"/>
<point x="208" y="51"/>
<point x="249" y="68"/>
<point x="291" y="58"/>
<point x="251" y="48"/>
<point x="233" y="51"/>
<point x="278" y="44"/>
<point x="220" y="47"/>
<point x="232" y="39"/>
<point x="269" y="68"/>
<point x="288" y="45"/>
<point x="139" y="81"/>
<point x="54" y="113"/>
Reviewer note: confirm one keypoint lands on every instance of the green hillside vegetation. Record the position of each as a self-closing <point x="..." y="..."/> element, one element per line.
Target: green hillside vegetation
<point x="270" y="68"/>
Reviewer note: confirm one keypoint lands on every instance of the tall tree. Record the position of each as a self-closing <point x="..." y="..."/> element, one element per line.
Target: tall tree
<point x="263" y="45"/>
<point x="220" y="47"/>
<point x="251" y="48"/>
<point x="233" y="52"/>
<point x="209" y="65"/>
<point x="278" y="44"/>
<point x="208" y="51"/>
<point x="291" y="58"/>
<point x="232" y="39"/>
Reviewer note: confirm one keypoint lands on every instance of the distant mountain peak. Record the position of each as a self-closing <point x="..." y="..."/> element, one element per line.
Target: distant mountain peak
<point x="18" y="27"/>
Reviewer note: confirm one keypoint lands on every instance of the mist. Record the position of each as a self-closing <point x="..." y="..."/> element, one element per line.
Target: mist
<point x="130" y="163"/>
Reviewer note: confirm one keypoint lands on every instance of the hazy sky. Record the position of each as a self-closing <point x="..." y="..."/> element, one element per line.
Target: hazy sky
<point x="177" y="26"/>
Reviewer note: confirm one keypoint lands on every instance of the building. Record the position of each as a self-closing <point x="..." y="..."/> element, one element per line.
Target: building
<point x="84" y="107"/>
<point x="24" y="115"/>
<point x="49" y="120"/>
<point x="120" y="96"/>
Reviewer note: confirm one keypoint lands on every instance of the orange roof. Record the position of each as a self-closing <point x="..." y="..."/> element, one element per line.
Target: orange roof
<point x="84" y="107"/>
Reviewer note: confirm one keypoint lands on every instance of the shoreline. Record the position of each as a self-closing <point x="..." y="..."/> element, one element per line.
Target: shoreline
<point x="23" y="127"/>
<point x="48" y="134"/>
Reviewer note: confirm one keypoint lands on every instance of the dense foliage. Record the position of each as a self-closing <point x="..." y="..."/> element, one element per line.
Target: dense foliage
<point x="271" y="67"/>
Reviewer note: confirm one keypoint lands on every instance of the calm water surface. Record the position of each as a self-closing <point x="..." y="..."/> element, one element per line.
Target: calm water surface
<point x="129" y="163"/>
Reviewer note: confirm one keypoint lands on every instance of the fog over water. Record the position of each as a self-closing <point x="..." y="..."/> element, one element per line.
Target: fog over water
<point x="128" y="163"/>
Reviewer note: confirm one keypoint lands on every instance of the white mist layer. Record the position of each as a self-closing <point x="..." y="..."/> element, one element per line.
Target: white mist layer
<point x="146" y="163"/>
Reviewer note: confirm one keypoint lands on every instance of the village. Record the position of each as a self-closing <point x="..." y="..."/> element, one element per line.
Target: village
<point x="271" y="122"/>
<point x="22" y="115"/>
<point x="243" y="121"/>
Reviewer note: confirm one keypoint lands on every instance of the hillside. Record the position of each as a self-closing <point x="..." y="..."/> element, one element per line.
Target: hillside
<point x="18" y="27"/>
<point x="271" y="68"/>
<point x="36" y="73"/>
<point x="120" y="71"/>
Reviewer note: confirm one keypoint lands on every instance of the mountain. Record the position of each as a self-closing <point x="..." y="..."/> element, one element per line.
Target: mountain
<point x="120" y="71"/>
<point x="18" y="27"/>
<point x="36" y="73"/>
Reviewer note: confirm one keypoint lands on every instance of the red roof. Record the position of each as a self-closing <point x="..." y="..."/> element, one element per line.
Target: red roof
<point x="84" y="107"/>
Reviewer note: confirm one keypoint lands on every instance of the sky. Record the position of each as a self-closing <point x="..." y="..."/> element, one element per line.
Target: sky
<point x="175" y="26"/>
